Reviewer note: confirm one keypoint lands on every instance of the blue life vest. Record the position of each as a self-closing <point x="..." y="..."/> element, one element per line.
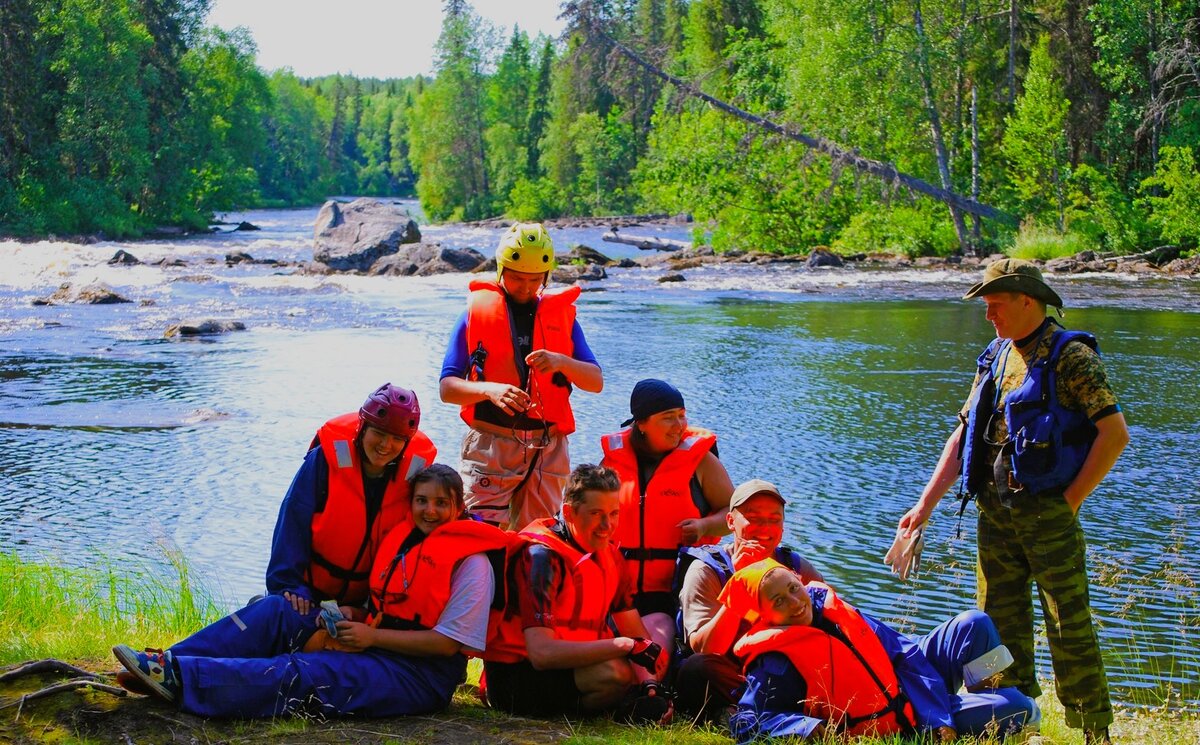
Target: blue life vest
<point x="1047" y="442"/>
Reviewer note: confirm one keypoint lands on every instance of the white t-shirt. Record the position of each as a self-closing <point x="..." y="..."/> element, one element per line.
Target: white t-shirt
<point x="465" y="617"/>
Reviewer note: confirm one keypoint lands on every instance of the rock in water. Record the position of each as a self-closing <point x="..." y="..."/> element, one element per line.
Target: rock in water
<point x="205" y="327"/>
<point x="124" y="257"/>
<point x="352" y="237"/>
<point x="96" y="293"/>
<point x="823" y="257"/>
<point x="425" y="259"/>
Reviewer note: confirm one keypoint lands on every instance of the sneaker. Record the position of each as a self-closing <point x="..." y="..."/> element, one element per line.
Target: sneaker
<point x="1096" y="737"/>
<point x="154" y="668"/>
<point x="133" y="683"/>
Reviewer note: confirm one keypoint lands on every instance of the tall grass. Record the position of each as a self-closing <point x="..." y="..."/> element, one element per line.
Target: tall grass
<point x="72" y="613"/>
<point x="1038" y="242"/>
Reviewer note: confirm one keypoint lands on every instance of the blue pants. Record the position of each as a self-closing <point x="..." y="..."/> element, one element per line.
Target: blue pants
<point x="953" y="645"/>
<point x="248" y="664"/>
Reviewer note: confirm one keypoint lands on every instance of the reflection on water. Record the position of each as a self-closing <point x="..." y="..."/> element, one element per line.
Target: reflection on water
<point x="113" y="440"/>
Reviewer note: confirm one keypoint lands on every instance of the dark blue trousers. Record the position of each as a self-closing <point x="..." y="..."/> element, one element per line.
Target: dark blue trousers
<point x="952" y="646"/>
<point x="248" y="664"/>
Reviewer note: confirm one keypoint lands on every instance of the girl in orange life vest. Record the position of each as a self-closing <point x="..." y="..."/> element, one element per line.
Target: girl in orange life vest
<point x="513" y="360"/>
<point x="674" y="493"/>
<point x="350" y="491"/>
<point x="814" y="662"/>
<point x="431" y="589"/>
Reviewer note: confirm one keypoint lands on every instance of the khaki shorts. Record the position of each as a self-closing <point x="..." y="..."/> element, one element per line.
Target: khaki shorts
<point x="510" y="484"/>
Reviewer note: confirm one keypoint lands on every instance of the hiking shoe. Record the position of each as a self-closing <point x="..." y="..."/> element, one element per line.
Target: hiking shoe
<point x="1096" y="737"/>
<point x="154" y="668"/>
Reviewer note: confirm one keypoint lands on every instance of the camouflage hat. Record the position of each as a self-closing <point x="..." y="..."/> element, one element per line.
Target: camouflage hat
<point x="1015" y="275"/>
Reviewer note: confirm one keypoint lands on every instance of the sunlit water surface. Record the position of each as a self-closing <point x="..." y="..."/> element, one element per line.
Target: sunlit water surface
<point x="839" y="386"/>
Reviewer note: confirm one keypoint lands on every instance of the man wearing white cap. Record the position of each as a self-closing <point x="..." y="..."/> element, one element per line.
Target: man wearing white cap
<point x="709" y="677"/>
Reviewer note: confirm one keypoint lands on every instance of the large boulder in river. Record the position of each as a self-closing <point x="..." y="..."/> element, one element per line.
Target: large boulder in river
<point x="425" y="259"/>
<point x="96" y="293"/>
<point x="352" y="237"/>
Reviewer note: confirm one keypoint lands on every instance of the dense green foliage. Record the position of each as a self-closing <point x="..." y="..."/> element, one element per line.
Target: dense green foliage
<point x="1079" y="118"/>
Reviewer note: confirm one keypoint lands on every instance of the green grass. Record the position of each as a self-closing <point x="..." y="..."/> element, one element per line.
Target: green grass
<point x="79" y="614"/>
<point x="1038" y="242"/>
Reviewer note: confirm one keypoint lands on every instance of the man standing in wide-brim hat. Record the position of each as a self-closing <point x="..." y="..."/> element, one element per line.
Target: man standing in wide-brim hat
<point x="1039" y="432"/>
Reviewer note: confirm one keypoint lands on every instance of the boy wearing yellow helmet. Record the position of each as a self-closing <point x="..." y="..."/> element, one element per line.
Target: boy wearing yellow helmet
<point x="513" y="358"/>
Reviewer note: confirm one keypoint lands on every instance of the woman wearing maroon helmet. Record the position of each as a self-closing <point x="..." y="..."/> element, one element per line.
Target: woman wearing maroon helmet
<point x="350" y="491"/>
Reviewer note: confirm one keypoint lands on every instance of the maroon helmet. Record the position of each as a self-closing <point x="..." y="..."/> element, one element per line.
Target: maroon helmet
<point x="392" y="409"/>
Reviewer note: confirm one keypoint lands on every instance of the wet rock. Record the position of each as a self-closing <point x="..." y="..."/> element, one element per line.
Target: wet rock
<point x="1067" y="265"/>
<point x="246" y="226"/>
<point x="124" y="258"/>
<point x="426" y="259"/>
<point x="238" y="257"/>
<point x="822" y="257"/>
<point x="586" y="254"/>
<point x="671" y="278"/>
<point x="202" y="327"/>
<point x="928" y="262"/>
<point x="627" y="263"/>
<point x="96" y="293"/>
<point x="681" y="264"/>
<point x="487" y="267"/>
<point x="571" y="273"/>
<point x="169" y="263"/>
<point x="1183" y="266"/>
<point x="352" y="237"/>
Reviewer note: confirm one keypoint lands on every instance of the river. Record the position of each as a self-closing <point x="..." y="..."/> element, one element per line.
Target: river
<point x="838" y="385"/>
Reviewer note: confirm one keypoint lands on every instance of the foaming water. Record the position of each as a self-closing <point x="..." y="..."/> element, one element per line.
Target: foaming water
<point x="839" y="386"/>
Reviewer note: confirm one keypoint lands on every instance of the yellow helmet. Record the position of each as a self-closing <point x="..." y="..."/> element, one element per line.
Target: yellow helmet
<point x="526" y="247"/>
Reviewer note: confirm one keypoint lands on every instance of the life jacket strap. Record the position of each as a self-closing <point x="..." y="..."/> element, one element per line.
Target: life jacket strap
<point x="650" y="554"/>
<point x="339" y="572"/>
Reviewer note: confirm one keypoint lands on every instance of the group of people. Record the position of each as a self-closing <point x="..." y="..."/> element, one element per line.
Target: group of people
<point x="604" y="588"/>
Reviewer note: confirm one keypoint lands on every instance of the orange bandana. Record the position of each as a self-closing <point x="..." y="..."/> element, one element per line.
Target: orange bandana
<point x="741" y="593"/>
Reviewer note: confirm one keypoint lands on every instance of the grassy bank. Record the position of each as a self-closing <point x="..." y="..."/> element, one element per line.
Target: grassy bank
<point x="78" y="614"/>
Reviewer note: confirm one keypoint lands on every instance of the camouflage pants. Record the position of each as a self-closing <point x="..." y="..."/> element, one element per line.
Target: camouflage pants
<point x="1039" y="540"/>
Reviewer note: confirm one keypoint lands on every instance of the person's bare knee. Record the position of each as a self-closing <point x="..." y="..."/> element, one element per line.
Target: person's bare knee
<point x="661" y="628"/>
<point x="603" y="685"/>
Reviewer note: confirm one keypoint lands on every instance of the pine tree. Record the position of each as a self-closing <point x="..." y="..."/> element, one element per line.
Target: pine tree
<point x="1035" y="141"/>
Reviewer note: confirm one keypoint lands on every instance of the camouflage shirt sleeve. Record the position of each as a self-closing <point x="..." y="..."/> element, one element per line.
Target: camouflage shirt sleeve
<point x="1083" y="383"/>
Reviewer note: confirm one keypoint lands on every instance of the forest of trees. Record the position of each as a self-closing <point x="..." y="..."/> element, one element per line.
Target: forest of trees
<point x="1076" y="121"/>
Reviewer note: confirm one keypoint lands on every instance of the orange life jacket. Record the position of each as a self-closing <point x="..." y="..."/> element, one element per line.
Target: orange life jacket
<point x="582" y="607"/>
<point x="410" y="590"/>
<point x="648" y="531"/>
<point x="850" y="680"/>
<point x="489" y="326"/>
<point x="342" y="544"/>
